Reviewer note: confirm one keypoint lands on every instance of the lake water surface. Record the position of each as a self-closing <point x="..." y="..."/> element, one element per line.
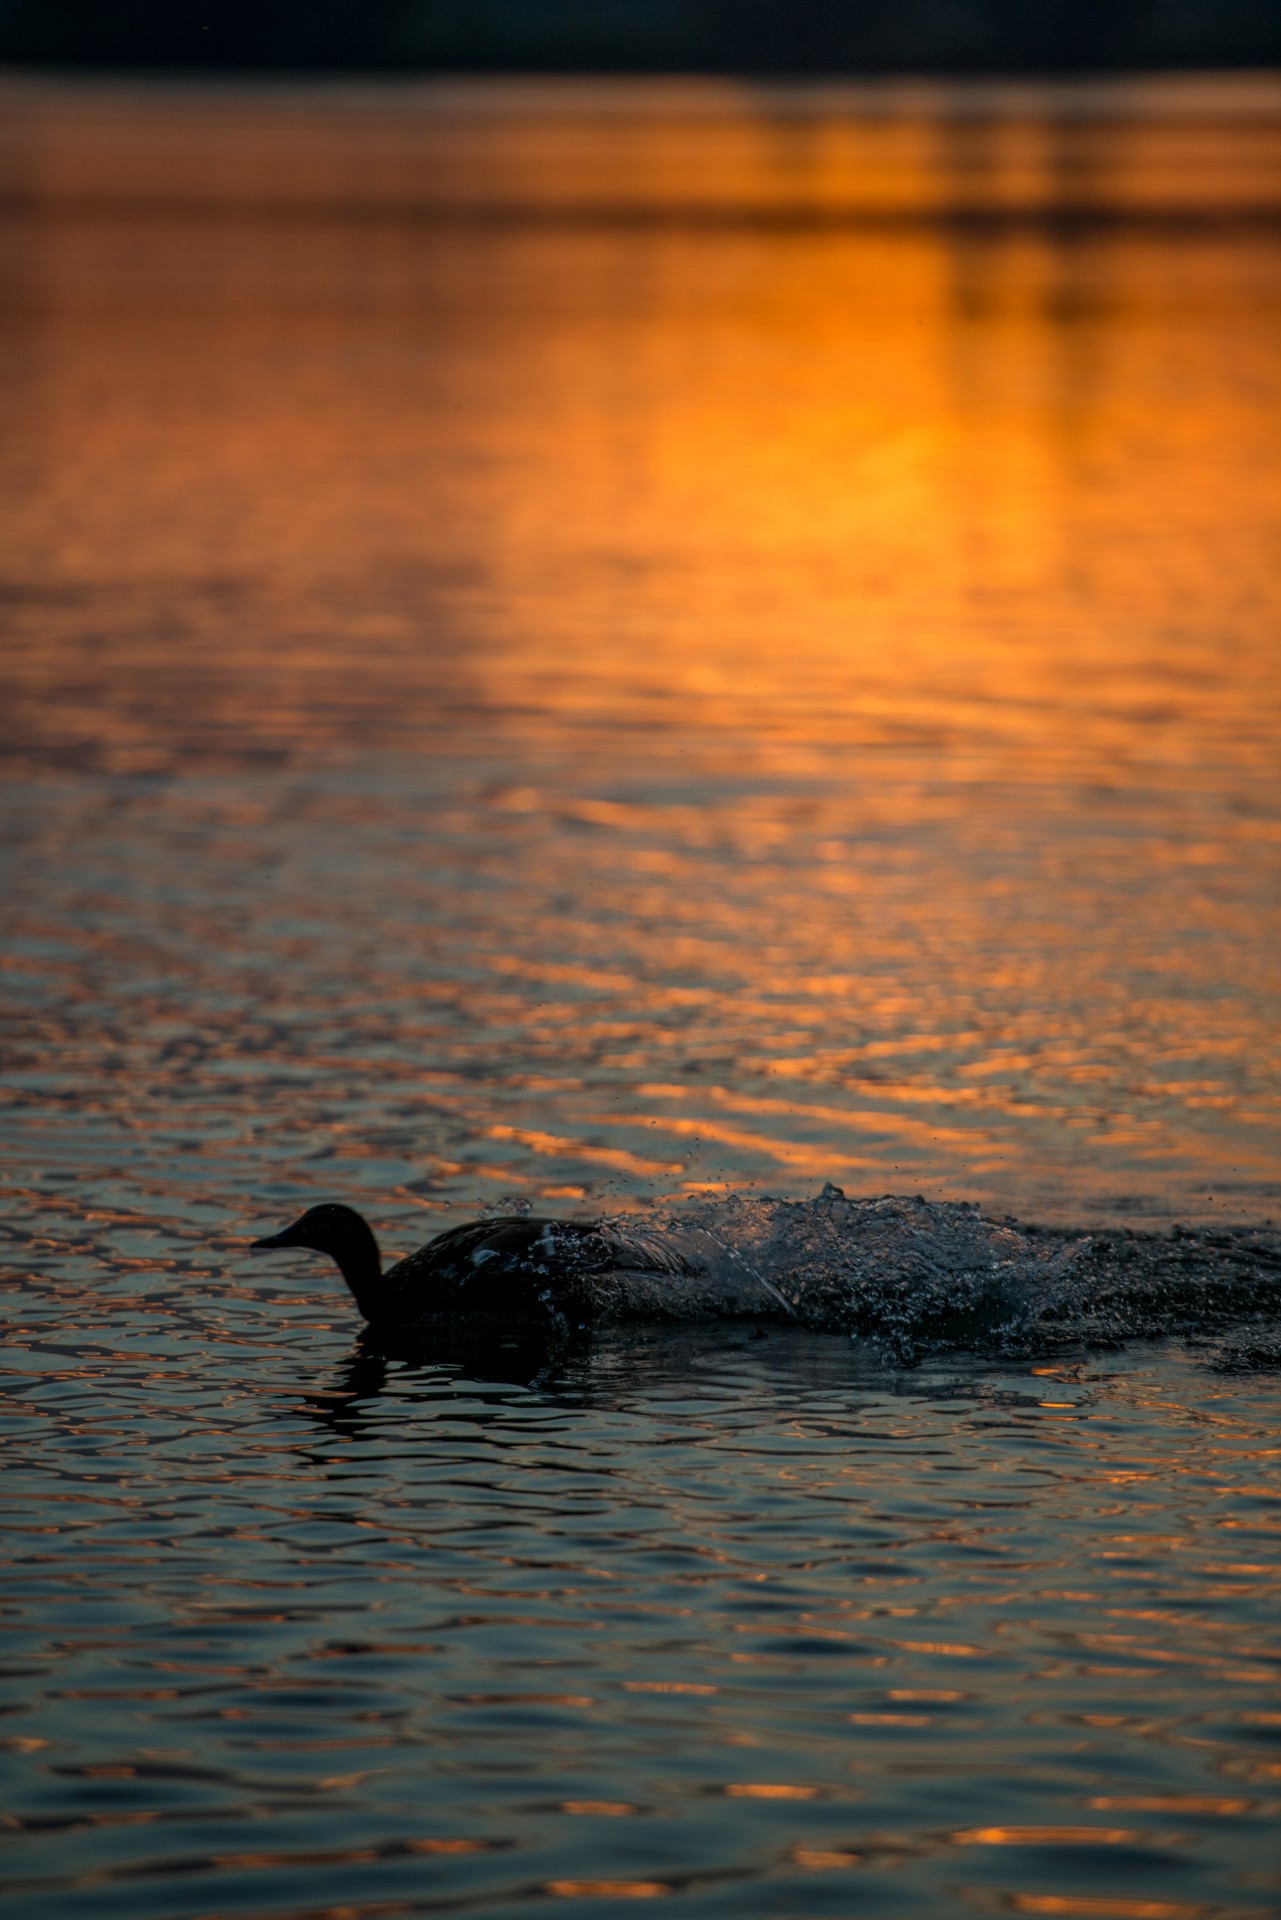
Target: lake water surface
<point x="620" y="647"/>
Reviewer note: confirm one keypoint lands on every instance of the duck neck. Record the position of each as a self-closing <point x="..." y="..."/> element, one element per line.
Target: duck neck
<point x="360" y="1264"/>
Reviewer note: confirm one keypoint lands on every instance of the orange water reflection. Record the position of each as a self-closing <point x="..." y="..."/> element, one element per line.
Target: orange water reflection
<point x="871" y="607"/>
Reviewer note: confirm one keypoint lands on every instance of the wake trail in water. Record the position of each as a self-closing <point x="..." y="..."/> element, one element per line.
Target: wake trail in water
<point x="915" y="1276"/>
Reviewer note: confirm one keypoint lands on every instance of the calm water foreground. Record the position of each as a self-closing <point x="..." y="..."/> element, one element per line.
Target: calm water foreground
<point x="616" y="647"/>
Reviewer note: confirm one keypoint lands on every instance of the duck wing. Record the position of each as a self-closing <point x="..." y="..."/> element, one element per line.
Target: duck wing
<point x="514" y="1266"/>
<point x="631" y="1249"/>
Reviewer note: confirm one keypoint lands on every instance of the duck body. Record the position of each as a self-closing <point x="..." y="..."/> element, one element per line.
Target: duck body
<point x="513" y="1268"/>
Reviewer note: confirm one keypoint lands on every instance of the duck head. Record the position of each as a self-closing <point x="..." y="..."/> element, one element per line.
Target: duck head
<point x="341" y="1233"/>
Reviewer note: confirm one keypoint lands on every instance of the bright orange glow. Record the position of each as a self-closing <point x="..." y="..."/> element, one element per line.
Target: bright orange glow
<point x="1045" y="1837"/>
<point x="1173" y="1803"/>
<point x="609" y="1809"/>
<point x="608" y="1889"/>
<point x="743" y="1790"/>
<point x="1108" y="1909"/>
<point x="833" y="562"/>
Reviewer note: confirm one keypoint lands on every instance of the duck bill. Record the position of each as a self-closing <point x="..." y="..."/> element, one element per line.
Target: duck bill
<point x="273" y="1240"/>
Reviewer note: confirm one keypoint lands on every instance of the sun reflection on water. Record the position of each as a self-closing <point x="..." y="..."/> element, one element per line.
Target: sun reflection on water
<point x="602" y="647"/>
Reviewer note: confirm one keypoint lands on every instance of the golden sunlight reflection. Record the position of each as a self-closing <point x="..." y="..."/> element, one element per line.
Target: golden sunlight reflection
<point x="662" y="639"/>
<point x="608" y="1889"/>
<point x="1104" y="1908"/>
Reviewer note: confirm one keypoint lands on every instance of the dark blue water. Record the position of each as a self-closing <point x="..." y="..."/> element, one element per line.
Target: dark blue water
<point x="749" y="1625"/>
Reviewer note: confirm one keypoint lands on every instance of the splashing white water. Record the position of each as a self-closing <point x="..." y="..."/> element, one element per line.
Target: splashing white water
<point x="918" y="1276"/>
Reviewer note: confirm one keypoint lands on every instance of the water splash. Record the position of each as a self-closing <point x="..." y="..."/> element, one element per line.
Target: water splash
<point x="916" y="1276"/>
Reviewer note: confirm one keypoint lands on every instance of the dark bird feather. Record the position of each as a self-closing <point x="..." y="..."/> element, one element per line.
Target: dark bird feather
<point x="511" y="1268"/>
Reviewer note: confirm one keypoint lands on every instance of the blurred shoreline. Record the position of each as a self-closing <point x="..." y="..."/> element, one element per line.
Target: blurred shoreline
<point x="1164" y="150"/>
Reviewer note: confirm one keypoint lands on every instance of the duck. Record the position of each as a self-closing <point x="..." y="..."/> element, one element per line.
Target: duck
<point x="511" y="1267"/>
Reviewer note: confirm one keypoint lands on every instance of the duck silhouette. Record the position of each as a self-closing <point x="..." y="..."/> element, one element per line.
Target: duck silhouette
<point x="513" y="1268"/>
